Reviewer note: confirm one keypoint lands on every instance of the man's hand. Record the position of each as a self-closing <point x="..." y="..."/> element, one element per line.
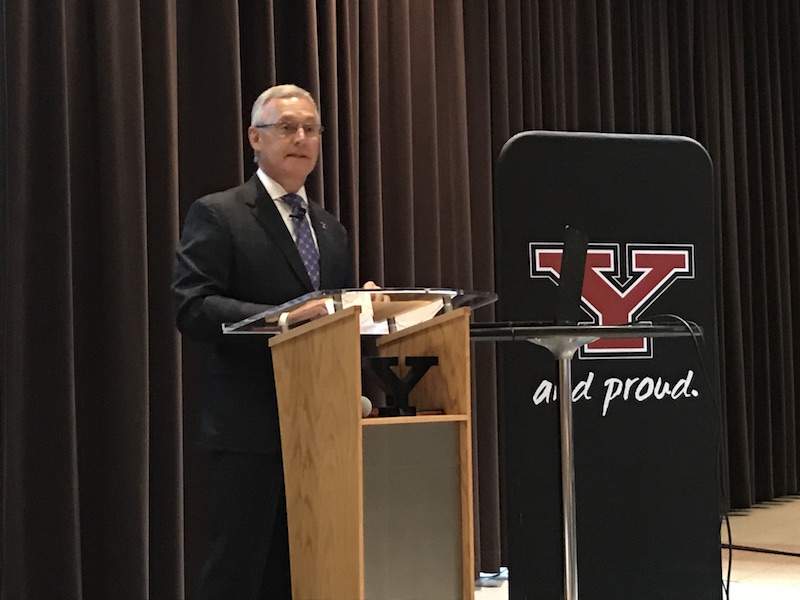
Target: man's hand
<point x="371" y="285"/>
<point x="309" y="310"/>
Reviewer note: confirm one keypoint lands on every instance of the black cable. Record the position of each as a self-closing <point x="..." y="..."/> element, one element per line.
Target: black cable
<point x="716" y="423"/>
<point x="733" y="547"/>
<point x="501" y="574"/>
<point x="726" y="585"/>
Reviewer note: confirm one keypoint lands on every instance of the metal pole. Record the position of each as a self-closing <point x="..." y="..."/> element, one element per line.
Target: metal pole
<point x="563" y="348"/>
<point x="568" y="477"/>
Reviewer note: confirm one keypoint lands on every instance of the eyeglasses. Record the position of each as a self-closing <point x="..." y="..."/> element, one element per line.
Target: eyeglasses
<point x="288" y="128"/>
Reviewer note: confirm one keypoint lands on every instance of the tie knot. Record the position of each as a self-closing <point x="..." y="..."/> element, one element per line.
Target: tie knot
<point x="295" y="202"/>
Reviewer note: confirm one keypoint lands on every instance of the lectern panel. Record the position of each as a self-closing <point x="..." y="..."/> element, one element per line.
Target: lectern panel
<point x="412" y="511"/>
<point x="317" y="379"/>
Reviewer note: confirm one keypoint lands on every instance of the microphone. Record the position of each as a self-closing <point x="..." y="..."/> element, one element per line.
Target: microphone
<point x="298" y="213"/>
<point x="366" y="406"/>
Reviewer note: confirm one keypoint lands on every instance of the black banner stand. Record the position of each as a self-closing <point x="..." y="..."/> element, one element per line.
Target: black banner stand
<point x="644" y="410"/>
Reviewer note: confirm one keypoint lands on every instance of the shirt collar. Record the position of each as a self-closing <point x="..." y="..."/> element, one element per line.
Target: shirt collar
<point x="276" y="190"/>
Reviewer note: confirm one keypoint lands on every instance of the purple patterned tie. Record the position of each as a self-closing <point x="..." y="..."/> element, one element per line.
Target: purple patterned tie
<point x="304" y="239"/>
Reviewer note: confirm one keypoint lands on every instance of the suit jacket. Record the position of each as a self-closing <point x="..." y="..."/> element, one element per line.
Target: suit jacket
<point x="236" y="259"/>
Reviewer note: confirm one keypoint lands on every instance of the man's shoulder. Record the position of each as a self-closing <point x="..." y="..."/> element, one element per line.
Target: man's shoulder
<point x="243" y="193"/>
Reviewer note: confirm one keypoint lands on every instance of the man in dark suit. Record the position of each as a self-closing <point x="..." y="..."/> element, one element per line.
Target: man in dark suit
<point x="239" y="256"/>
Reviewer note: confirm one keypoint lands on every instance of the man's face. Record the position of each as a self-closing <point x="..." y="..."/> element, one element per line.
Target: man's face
<point x="287" y="158"/>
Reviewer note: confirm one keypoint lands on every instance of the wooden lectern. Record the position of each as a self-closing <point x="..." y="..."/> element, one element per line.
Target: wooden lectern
<point x="378" y="508"/>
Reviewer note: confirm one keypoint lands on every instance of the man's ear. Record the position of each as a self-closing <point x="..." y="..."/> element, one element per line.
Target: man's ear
<point x="253" y="137"/>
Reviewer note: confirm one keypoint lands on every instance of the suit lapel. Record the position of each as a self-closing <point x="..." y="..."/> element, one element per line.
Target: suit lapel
<point x="266" y="213"/>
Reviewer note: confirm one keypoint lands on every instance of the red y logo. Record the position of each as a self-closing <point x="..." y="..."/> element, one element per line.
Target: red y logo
<point x="611" y="297"/>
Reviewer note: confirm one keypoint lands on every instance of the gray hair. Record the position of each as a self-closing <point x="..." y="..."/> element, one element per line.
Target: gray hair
<point x="288" y="90"/>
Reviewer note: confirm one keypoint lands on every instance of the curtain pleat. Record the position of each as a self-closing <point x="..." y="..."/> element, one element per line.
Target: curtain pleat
<point x="479" y="118"/>
<point x="119" y="115"/>
<point x="368" y="210"/>
<point x="165" y="485"/>
<point x="39" y="432"/>
<point x="789" y="21"/>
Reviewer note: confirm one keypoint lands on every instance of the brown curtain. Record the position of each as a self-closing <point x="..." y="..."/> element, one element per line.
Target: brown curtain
<point x="118" y="115"/>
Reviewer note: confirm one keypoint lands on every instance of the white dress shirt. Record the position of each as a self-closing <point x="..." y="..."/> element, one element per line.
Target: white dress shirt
<point x="277" y="192"/>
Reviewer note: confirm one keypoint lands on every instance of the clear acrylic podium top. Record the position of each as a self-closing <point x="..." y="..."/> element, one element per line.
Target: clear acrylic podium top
<point x="383" y="310"/>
